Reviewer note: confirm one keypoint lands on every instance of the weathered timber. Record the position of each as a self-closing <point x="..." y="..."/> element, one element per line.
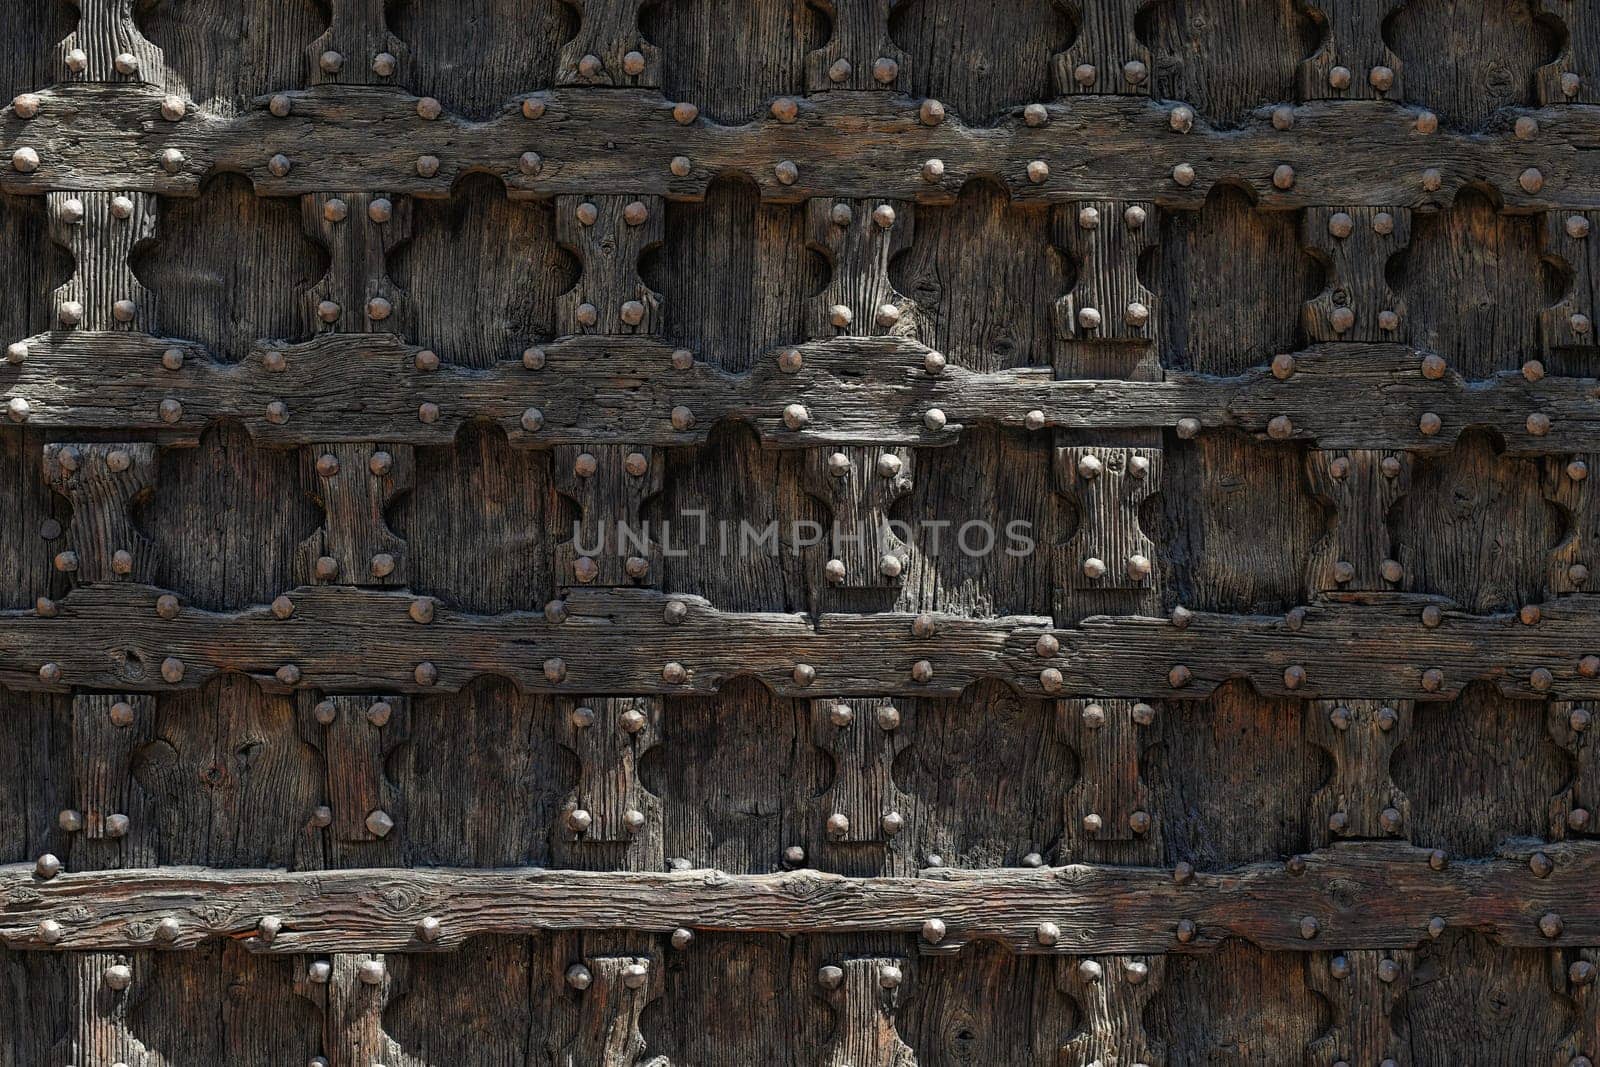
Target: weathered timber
<point x="595" y="641"/>
<point x="1093" y="147"/>
<point x="1363" y="989"/>
<point x="1112" y="993"/>
<point x="866" y="995"/>
<point x="1365" y="895"/>
<point x="871" y="390"/>
<point x="641" y="641"/>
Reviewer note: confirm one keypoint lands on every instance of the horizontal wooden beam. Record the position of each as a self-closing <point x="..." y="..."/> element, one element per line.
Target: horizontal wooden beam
<point x="351" y="138"/>
<point x="1359" y="895"/>
<point x="123" y="636"/>
<point x="642" y="391"/>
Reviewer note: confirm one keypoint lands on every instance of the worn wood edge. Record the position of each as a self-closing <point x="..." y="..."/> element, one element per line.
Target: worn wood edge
<point x="353" y="138"/>
<point x="1353" y="895"/>
<point x="622" y="641"/>
<point x="591" y="389"/>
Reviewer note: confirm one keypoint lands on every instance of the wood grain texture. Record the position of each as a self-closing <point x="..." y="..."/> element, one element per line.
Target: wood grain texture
<point x="971" y="58"/>
<point x="412" y="299"/>
<point x="1468" y="68"/>
<point x="774" y="57"/>
<point x="1368" y="895"/>
<point x="1200" y="57"/>
<point x="104" y="484"/>
<point x="630" y="391"/>
<point x="223" y="54"/>
<point x="628" y="641"/>
<point x="1118" y="146"/>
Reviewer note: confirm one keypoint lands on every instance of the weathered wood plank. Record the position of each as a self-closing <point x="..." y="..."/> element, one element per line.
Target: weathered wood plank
<point x="1366" y="895"/>
<point x="640" y="391"/>
<point x="839" y="145"/>
<point x="639" y="641"/>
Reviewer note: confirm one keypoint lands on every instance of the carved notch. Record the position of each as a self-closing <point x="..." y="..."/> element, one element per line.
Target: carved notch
<point x="1361" y="799"/>
<point x="102" y="230"/>
<point x="106" y="987"/>
<point x="1356" y="243"/>
<point x="1566" y="235"/>
<point x="862" y="805"/>
<point x="610" y="735"/>
<point x="1568" y="485"/>
<point x="107" y="46"/>
<point x="1109" y="801"/>
<point x="1572" y="811"/>
<point x="359" y="230"/>
<point x="1107" y="58"/>
<point x="356" y="735"/>
<point x="611" y="545"/>
<point x="860" y="54"/>
<point x="1353" y="62"/>
<point x="1105" y="239"/>
<point x="1109" y="550"/>
<point x="865" y="994"/>
<point x="103" y="482"/>
<point x="614" y="992"/>
<point x="1358" y="553"/>
<point x="1362" y="990"/>
<point x="111" y="815"/>
<point x="355" y="484"/>
<point x="608" y="234"/>
<point x="353" y="990"/>
<point x="1570" y="77"/>
<point x="1112" y="992"/>
<point x="1573" y="974"/>
<point x="357" y="48"/>
<point x="860" y="238"/>
<point x="861" y="483"/>
<point x="609" y="49"/>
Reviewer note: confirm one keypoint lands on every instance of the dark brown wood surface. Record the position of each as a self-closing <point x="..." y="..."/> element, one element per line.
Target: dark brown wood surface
<point x="337" y="332"/>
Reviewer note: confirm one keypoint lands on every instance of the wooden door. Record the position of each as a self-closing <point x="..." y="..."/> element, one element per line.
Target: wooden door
<point x="861" y="533"/>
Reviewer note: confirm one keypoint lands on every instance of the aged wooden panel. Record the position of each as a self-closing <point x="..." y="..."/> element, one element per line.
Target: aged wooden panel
<point x="859" y="532"/>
